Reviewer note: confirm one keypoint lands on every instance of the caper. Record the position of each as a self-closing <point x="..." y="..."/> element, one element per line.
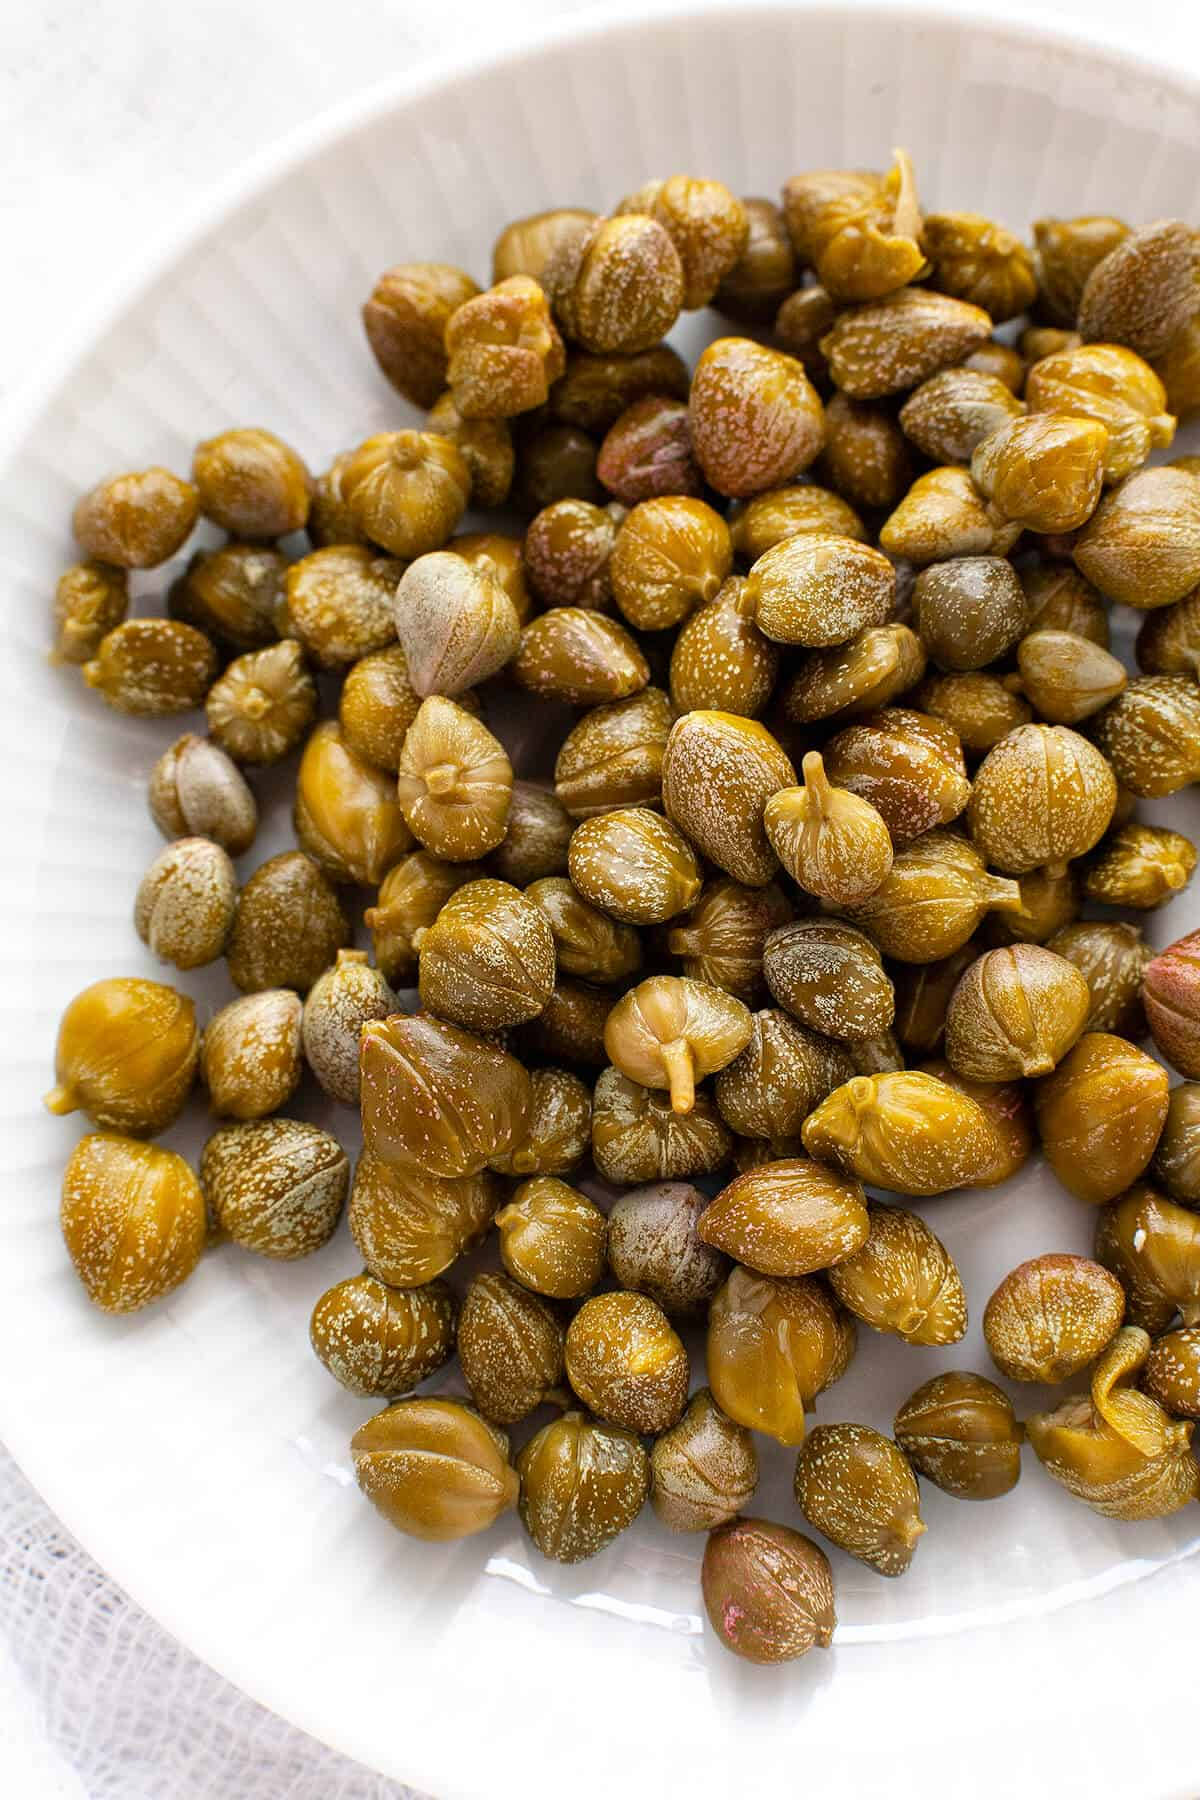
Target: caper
<point x="377" y="706"/>
<point x="90" y="600"/>
<point x="487" y="961"/>
<point x="570" y="1027"/>
<point x="1171" y="992"/>
<point x="408" y="1226"/>
<point x="880" y="663"/>
<point x="455" y="622"/>
<point x="138" y="520"/>
<point x="713" y="752"/>
<point x="858" y="1490"/>
<point x="454" y="782"/>
<point x="552" y="1239"/>
<point x="1112" y="957"/>
<point x="1015" y="1012"/>
<point x="1043" y="795"/>
<point x="981" y="707"/>
<point x="250" y="1055"/>
<point x="537" y="838"/>
<point x="936" y="893"/>
<point x="901" y="1279"/>
<point x="722" y="938"/>
<point x="132" y="1219"/>
<point x="438" y="1098"/>
<point x="582" y="1482"/>
<point x="613" y="757"/>
<point x="185" y="903"/>
<point x="638" y="1136"/>
<point x="634" y="865"/>
<point x="908" y="765"/>
<point x="338" y="604"/>
<point x="1100" y="1114"/>
<point x="410" y="897"/>
<point x="1052" y="1316"/>
<point x="338" y="1005"/>
<point x="833" y="843"/>
<point x="346" y="813"/>
<point x="773" y="1346"/>
<point x="830" y="977"/>
<point x="275" y="1186"/>
<point x="261" y="707"/>
<point x="196" y="790"/>
<point x="560" y="1122"/>
<point x="1172" y="1373"/>
<point x="1176" y="1161"/>
<point x="380" y="1340"/>
<point x="1006" y="1106"/>
<point x="705" y="1468"/>
<point x="434" y="1469"/>
<point x="787" y="1218"/>
<point x="904" y="1131"/>
<point x="587" y="942"/>
<point x="151" y="668"/>
<point x="670" y="1031"/>
<point x="655" y="1247"/>
<point x="959" y="1431"/>
<point x="511" y="1348"/>
<point x="1151" y="734"/>
<point x="774" y="1082"/>
<point x="626" y="1362"/>
<point x="768" y="1591"/>
<point x="288" y="928"/>
<point x="126" y="1055"/>
<point x="1140" y="866"/>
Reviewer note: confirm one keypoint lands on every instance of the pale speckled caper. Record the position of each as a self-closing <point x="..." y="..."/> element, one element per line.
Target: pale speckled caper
<point x="782" y="1071"/>
<point x="138" y="520"/>
<point x="833" y="843"/>
<point x="953" y="411"/>
<point x="856" y="1487"/>
<point x="438" y="1098"/>
<point x="410" y="897"/>
<point x="1151" y="734"/>
<point x="126" y="1055"/>
<point x="408" y="1226"/>
<point x="1043" y="795"/>
<point x="338" y="1004"/>
<point x="638" y="1136"/>
<point x="1142" y="544"/>
<point x="873" y="669"/>
<point x="185" y="903"/>
<point x="380" y="1340"/>
<point x="151" y="668"/>
<point x="1112" y="956"/>
<point x="487" y="961"/>
<point x="455" y="622"/>
<point x="819" y="591"/>
<point x="1015" y="1013"/>
<point x="1052" y="1316"/>
<point x="705" y="1468"/>
<point x="959" y="1431"/>
<point x="773" y="1345"/>
<point x="536" y="842"/>
<point x="626" y="1362"/>
<point x="1172" y="1373"/>
<point x="908" y="765"/>
<point x="510" y="1345"/>
<point x="634" y="865"/>
<point x="276" y="1186"/>
<point x="434" y="1468"/>
<point x="90" y="600"/>
<point x="250" y="1055"/>
<point x="559" y="1132"/>
<point x="831" y="977"/>
<point x="288" y="927"/>
<point x="981" y="707"/>
<point x="903" y="1280"/>
<point x="196" y="790"/>
<point x="582" y="1482"/>
<point x="768" y="1591"/>
<point x="263" y="704"/>
<point x="575" y="654"/>
<point x="719" y="771"/>
<point x="655" y="1248"/>
<point x="943" y="515"/>
<point x="132" y="1218"/>
<point x="407" y="490"/>
<point x="338" y="604"/>
<point x="552" y="1239"/>
<point x="587" y="942"/>
<point x="766" y="519"/>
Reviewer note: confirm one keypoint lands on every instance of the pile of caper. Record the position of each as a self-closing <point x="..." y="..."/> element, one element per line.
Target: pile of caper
<point x="788" y="921"/>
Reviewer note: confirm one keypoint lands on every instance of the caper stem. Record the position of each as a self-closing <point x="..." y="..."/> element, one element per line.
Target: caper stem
<point x="816" y="782"/>
<point x="441" y="779"/>
<point x="681" y="1074"/>
<point x="60" y="1099"/>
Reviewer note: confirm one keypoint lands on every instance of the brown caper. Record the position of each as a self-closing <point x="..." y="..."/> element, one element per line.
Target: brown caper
<point x="1168" y="640"/>
<point x="1172" y="1373"/>
<point x="408" y="1226"/>
<point x="338" y="1004"/>
<point x="648" y="453"/>
<point x="931" y="900"/>
<point x="1052" y="1316"/>
<point x="655" y="1248"/>
<point x="434" y="1469"/>
<point x="706" y="223"/>
<point x="1171" y="992"/>
<point x="410" y="897"/>
<point x="1119" y="1452"/>
<point x="626" y="1362"/>
<point x="858" y="229"/>
<point x="288" y="927"/>
<point x="1176" y="1161"/>
<point x="801" y="324"/>
<point x="765" y="272"/>
<point x="407" y="490"/>
<point x="634" y="865"/>
<point x="1042" y="796"/>
<point x="338" y="604"/>
<point x="670" y="1031"/>
<point x="1151" y="734"/>
<point x="538" y="835"/>
<point x="1043" y="472"/>
<point x="250" y="1055"/>
<point x="774" y="1082"/>
<point x="615" y="284"/>
<point x="566" y="554"/>
<point x="525" y="245"/>
<point x="185" y="903"/>
<point x="959" y="1431"/>
<point x="857" y="1488"/>
<point x="613" y="757"/>
<point x="596" y="389"/>
<point x="574" y="653"/>
<point x="756" y="420"/>
<point x="908" y="765"/>
<point x="132" y="1218"/>
<point x="511" y="1348"/>
<point x="944" y="514"/>
<point x="346" y="814"/>
<point x="773" y="1346"/>
<point x="275" y="1186"/>
<point x="901" y="1279"/>
<point x="380" y="1340"/>
<point x="582" y="1482"/>
<point x="552" y="1239"/>
<point x="485" y="445"/>
<point x="874" y="668"/>
<point x="437" y="1098"/>
<point x="454" y="782"/>
<point x="711" y="753"/>
<point x="1061" y="600"/>
<point x="487" y="961"/>
<point x="1143" y="291"/>
<point x="251" y="484"/>
<point x="721" y="938"/>
<point x="1140" y="866"/>
<point x="787" y="1218"/>
<point x="892" y="344"/>
<point x="1112" y="957"/>
<point x="1142" y="545"/>
<point x="949" y="415"/>
<point x="866" y="456"/>
<point x="832" y="842"/>
<point x="235" y="594"/>
<point x="262" y="706"/>
<point x="638" y="1136"/>
<point x="456" y="623"/>
<point x="560" y="1127"/>
<point x="405" y="319"/>
<point x="554" y="462"/>
<point x="126" y="1055"/>
<point x="570" y="1027"/>
<point x="152" y="667"/>
<point x="1015" y="1013"/>
<point x="1100" y="1114"/>
<point x="768" y="1591"/>
<point x="329" y="518"/>
<point x="904" y="1131"/>
<point x="671" y="554"/>
<point x="831" y="977"/>
<point x="136" y="521"/>
<point x="90" y="600"/>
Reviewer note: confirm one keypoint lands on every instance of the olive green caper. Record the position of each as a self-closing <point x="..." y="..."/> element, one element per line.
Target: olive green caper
<point x="410" y="897"/>
<point x="276" y="1186"/>
<point x="559" y="1131"/>
<point x="235" y="594"/>
<point x="908" y="765"/>
<point x="582" y="1482"/>
<point x="901" y="1279"/>
<point x="710" y="753"/>
<point x="1043" y="795"/>
<point x="833" y="843"/>
<point x="613" y="758"/>
<point x="1172" y="1373"/>
<point x="857" y="1488"/>
<point x="670" y="1031"/>
<point x="959" y="1431"/>
<point x="407" y="490"/>
<point x="1111" y="955"/>
<point x="552" y="1239"/>
<point x="787" y="1218"/>
<point x="1052" y="1316"/>
<point x="434" y="1469"/>
<point x="587" y="942"/>
<point x="338" y="603"/>
<point x="831" y="977"/>
<point x="250" y="1055"/>
<point x="537" y="838"/>
<point x="126" y="1055"/>
<point x="904" y="1131"/>
<point x="408" y="1226"/>
<point x="346" y="813"/>
<point x="1152" y="1246"/>
<point x="380" y="1340"/>
<point x="1176" y="1161"/>
<point x="487" y="961"/>
<point x="288" y="928"/>
<point x="152" y="667"/>
<point x="510" y="1346"/>
<point x="132" y="1218"/>
<point x="251" y="484"/>
<point x="454" y="782"/>
<point x="936" y="893"/>
<point x="90" y="600"/>
<point x="438" y="1098"/>
<point x="1015" y="1013"/>
<point x="638" y="1136"/>
<point x="634" y="865"/>
<point x="262" y="706"/>
<point x="570" y="1027"/>
<point x="773" y="1345"/>
<point x="1100" y="1114"/>
<point x="776" y="1079"/>
<point x="626" y="1362"/>
<point x="1151" y="734"/>
<point x="1140" y="866"/>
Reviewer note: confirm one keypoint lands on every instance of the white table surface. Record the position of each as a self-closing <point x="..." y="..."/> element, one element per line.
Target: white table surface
<point x="116" y="117"/>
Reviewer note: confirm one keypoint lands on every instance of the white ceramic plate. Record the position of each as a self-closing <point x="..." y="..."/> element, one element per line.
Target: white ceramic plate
<point x="198" y="1450"/>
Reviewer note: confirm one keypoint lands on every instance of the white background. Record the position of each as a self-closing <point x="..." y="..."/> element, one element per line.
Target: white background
<point x="116" y="117"/>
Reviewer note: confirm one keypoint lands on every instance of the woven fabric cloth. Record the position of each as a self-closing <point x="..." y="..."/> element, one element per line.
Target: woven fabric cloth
<point x="117" y="1709"/>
